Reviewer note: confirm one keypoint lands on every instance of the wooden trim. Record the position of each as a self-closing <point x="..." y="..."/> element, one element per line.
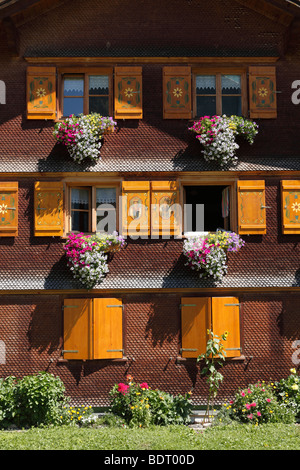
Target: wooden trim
<point x="94" y="61"/>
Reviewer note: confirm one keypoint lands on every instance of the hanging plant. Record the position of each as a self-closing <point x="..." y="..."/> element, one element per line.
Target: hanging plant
<point x="208" y="254"/>
<point x="82" y="135"/>
<point x="87" y="255"/>
<point x="218" y="135"/>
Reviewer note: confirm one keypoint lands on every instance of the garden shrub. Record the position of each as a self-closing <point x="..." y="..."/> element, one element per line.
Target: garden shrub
<point x="139" y="405"/>
<point x="288" y="393"/>
<point x="33" y="400"/>
<point x="39" y="399"/>
<point x="256" y="404"/>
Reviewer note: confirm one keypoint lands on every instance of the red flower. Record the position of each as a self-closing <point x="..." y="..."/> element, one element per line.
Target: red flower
<point x="122" y="388"/>
<point x="144" y="385"/>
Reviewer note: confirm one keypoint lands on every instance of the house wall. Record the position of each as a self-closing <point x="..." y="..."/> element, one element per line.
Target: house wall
<point x="31" y="328"/>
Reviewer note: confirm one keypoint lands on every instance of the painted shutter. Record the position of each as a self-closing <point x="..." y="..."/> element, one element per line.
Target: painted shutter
<point x="290" y="202"/>
<point x="107" y="329"/>
<point x="195" y="320"/>
<point x="48" y="208"/>
<point x="262" y="92"/>
<point x="8" y="209"/>
<point x="41" y="93"/>
<point x="77" y="329"/>
<point x="251" y="207"/>
<point x="165" y="210"/>
<point x="128" y="93"/>
<point x="135" y="208"/>
<point x="177" y="98"/>
<point x="226" y="317"/>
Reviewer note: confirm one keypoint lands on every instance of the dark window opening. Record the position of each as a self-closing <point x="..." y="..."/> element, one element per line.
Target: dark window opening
<point x="207" y="208"/>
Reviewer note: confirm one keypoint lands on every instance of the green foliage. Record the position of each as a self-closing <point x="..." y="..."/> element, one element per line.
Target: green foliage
<point x="213" y="357"/>
<point x="139" y="405"/>
<point x="256" y="404"/>
<point x="287" y="392"/>
<point x="33" y="400"/>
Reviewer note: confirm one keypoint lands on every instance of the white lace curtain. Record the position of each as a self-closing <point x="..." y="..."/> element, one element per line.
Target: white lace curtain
<point x="209" y="81"/>
<point x="103" y="196"/>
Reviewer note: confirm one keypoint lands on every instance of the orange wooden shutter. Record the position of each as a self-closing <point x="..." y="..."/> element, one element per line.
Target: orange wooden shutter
<point x="290" y="202"/>
<point x="226" y="318"/>
<point x="107" y="329"/>
<point x="177" y="97"/>
<point x="77" y="329"/>
<point x="251" y="207"/>
<point x="128" y="93"/>
<point x="262" y="92"/>
<point x="165" y="210"/>
<point x="135" y="207"/>
<point x="41" y="93"/>
<point x="48" y="206"/>
<point x="8" y="209"/>
<point x="195" y="320"/>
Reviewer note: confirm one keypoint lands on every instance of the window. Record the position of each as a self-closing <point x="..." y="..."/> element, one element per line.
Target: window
<point x="219" y="93"/>
<point x="85" y="93"/>
<point x="219" y="314"/>
<point x="207" y="208"/>
<point x="93" y="328"/>
<point x="93" y="209"/>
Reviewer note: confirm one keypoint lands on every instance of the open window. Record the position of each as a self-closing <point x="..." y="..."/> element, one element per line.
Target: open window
<point x="207" y="208"/>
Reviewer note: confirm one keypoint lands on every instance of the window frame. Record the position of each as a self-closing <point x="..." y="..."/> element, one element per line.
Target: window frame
<point x="218" y="71"/>
<point x="92" y="185"/>
<point x="205" y="181"/>
<point x="86" y="72"/>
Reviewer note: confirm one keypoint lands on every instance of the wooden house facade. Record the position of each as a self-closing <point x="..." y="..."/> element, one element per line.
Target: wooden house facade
<point x="155" y="68"/>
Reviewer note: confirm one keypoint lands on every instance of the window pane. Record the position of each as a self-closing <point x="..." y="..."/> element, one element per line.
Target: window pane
<point x="231" y="84"/>
<point x="232" y="105"/>
<point x="206" y="105"/>
<point x="99" y="104"/>
<point x="73" y="86"/>
<point x="98" y="85"/>
<point x="73" y="106"/>
<point x="106" y="209"/>
<point x="79" y="221"/>
<point x="80" y="198"/>
<point x="205" y="84"/>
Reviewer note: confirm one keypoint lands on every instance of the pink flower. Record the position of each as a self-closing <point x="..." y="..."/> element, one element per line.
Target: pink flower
<point x="248" y="406"/>
<point x="249" y="391"/>
<point x="243" y="394"/>
<point x="122" y="388"/>
<point x="268" y="400"/>
<point x="253" y="404"/>
<point x="258" y="413"/>
<point x="250" y="416"/>
<point x="144" y="385"/>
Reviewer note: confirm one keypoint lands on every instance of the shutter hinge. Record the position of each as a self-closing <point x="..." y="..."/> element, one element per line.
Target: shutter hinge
<point x="233" y="349"/>
<point x="232" y="305"/>
<point x="113" y="306"/>
<point x="266" y="207"/>
<point x="69" y="351"/>
<point x="115" y="350"/>
<point x="70" y="306"/>
<point x="187" y="349"/>
<point x="187" y="305"/>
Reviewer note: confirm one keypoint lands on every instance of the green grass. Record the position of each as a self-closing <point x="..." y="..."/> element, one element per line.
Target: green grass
<point x="233" y="437"/>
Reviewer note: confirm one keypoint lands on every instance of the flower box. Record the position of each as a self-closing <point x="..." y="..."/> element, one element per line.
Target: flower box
<point x="218" y="134"/>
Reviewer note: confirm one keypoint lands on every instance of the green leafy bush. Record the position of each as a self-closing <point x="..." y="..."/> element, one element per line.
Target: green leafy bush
<point x="139" y="405"/>
<point x="33" y="400"/>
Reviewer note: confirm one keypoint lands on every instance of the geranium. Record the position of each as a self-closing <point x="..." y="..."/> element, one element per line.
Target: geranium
<point x="82" y="135"/>
<point x="87" y="256"/>
<point x="207" y="253"/>
<point x="218" y="135"/>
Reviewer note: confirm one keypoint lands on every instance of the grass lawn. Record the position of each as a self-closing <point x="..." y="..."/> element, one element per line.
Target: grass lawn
<point x="233" y="437"/>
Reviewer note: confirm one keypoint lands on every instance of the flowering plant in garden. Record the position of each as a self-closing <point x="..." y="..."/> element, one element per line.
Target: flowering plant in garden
<point x="138" y="405"/>
<point x="207" y="253"/>
<point x="87" y="256"/>
<point x="257" y="404"/>
<point x="218" y="135"/>
<point x="82" y="135"/>
<point x="288" y="392"/>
